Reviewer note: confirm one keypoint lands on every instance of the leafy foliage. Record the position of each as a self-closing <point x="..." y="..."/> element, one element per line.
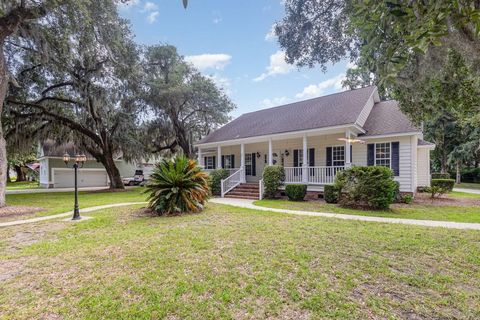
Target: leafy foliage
<point x="273" y="178"/>
<point x="331" y="193"/>
<point x="367" y="187"/>
<point x="215" y="178"/>
<point x="470" y="175"/>
<point x="440" y="175"/>
<point x="440" y="186"/>
<point x="296" y="192"/>
<point x="177" y="185"/>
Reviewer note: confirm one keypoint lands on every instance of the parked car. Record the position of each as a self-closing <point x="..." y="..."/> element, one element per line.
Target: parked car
<point x="137" y="179"/>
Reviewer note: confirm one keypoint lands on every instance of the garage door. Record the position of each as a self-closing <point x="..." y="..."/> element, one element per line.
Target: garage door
<point x="86" y="178"/>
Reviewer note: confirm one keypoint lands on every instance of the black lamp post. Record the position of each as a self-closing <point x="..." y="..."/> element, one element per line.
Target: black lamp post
<point x="79" y="161"/>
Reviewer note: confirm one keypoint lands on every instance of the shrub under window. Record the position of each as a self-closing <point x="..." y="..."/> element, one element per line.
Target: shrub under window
<point x="296" y="192"/>
<point x="330" y="194"/>
<point x="370" y="187"/>
<point x="273" y="178"/>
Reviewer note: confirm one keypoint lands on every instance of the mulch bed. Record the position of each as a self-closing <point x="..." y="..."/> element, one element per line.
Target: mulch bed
<point x="445" y="200"/>
<point x="18" y="211"/>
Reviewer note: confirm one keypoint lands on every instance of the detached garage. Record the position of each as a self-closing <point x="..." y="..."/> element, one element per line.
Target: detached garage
<point x="64" y="178"/>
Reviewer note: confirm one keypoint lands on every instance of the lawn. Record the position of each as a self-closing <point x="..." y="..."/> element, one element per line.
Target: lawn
<point x="231" y="263"/>
<point x="60" y="202"/>
<point x="466" y="185"/>
<point x="413" y="211"/>
<point x="22" y="185"/>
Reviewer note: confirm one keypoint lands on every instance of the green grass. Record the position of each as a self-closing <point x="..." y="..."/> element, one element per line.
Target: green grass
<point x="231" y="263"/>
<point x="466" y="185"/>
<point x="60" y="202"/>
<point x="22" y="185"/>
<point x="456" y="194"/>
<point x="414" y="211"/>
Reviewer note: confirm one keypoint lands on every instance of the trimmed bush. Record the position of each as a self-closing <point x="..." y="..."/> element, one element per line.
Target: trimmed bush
<point x="440" y="175"/>
<point x="215" y="179"/>
<point x="330" y="193"/>
<point x="177" y="185"/>
<point x="440" y="186"/>
<point x="397" y="197"/>
<point x="408" y="198"/>
<point x="296" y="192"/>
<point x="370" y="187"/>
<point x="273" y="178"/>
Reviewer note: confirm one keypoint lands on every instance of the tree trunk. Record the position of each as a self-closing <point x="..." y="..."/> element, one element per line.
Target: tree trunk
<point x="8" y="173"/>
<point x="112" y="171"/>
<point x="3" y="144"/>
<point x="443" y="162"/>
<point x="20" y="173"/>
<point x="459" y="176"/>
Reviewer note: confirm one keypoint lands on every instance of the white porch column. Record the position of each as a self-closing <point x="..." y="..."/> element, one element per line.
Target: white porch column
<point x="270" y="152"/>
<point x="242" y="161"/>
<point x="305" y="162"/>
<point x="219" y="157"/>
<point x="348" y="144"/>
<point x="200" y="158"/>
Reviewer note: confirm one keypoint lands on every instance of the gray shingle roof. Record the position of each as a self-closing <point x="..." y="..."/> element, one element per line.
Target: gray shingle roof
<point x="387" y="118"/>
<point x="425" y="143"/>
<point x="327" y="111"/>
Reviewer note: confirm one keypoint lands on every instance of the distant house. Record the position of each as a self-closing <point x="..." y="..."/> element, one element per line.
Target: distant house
<point x="55" y="174"/>
<point x="315" y="139"/>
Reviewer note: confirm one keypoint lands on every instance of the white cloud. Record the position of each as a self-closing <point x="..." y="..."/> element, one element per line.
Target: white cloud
<point x="278" y="65"/>
<point x="269" y="103"/>
<point x="150" y="6"/>
<point x="270" y="36"/>
<point x="152" y="16"/>
<point x="209" y="61"/>
<point x="315" y="90"/>
<point x="351" y="65"/>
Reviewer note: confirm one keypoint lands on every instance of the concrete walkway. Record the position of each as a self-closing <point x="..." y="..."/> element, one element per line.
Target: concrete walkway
<point x="248" y="204"/>
<point x="67" y="214"/>
<point x="474" y="191"/>
<point x="42" y="190"/>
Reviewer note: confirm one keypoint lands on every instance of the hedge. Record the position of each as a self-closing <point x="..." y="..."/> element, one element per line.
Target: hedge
<point x="330" y="193"/>
<point x="369" y="187"/>
<point x="215" y="180"/>
<point x="440" y="175"/>
<point x="296" y="192"/>
<point x="273" y="178"/>
<point x="440" y="186"/>
<point x="471" y="175"/>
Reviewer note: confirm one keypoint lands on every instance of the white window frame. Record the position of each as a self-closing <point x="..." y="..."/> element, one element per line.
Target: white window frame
<point x="384" y="158"/>
<point x="333" y="156"/>
<point x="207" y="164"/>
<point x="227" y="161"/>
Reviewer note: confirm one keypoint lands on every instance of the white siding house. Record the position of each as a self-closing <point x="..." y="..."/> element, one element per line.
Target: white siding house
<point x="331" y="132"/>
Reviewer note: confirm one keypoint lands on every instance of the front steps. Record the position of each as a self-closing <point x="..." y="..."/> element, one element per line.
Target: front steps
<point x="245" y="191"/>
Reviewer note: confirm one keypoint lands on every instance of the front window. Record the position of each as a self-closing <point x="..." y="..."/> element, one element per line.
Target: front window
<point x="248" y="164"/>
<point x="210" y="162"/>
<point x="338" y="156"/>
<point x="228" y="161"/>
<point x="383" y="154"/>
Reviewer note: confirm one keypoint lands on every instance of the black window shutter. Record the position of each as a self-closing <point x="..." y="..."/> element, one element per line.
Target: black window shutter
<point x="329" y="156"/>
<point x="254" y="165"/>
<point x="214" y="162"/>
<point x="223" y="161"/>
<point x="371" y="154"/>
<point x="295" y="158"/>
<point x="233" y="160"/>
<point x="204" y="161"/>
<point x="311" y="161"/>
<point x="351" y="152"/>
<point x="396" y="158"/>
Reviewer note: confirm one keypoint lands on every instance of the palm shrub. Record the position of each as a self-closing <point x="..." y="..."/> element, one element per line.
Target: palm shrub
<point x="177" y="185"/>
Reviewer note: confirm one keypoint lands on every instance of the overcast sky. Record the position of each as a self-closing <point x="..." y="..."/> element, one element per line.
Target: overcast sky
<point x="232" y="42"/>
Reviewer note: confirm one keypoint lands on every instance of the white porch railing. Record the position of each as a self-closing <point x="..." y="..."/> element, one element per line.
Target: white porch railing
<point x="315" y="175"/>
<point x="230" y="171"/>
<point x="232" y="181"/>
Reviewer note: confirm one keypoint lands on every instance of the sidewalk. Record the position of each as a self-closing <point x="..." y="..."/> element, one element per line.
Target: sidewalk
<point x="248" y="204"/>
<point x="473" y="191"/>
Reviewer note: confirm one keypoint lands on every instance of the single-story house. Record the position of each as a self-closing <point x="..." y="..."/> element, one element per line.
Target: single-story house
<point x="315" y="139"/>
<point x="55" y="174"/>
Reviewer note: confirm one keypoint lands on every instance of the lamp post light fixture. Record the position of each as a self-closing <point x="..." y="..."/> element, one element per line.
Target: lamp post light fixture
<point x="79" y="161"/>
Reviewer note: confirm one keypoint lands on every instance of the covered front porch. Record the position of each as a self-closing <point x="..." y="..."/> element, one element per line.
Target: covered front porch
<point x="311" y="158"/>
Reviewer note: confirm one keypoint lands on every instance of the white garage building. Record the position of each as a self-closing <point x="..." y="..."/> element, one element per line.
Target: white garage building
<point x="55" y="174"/>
